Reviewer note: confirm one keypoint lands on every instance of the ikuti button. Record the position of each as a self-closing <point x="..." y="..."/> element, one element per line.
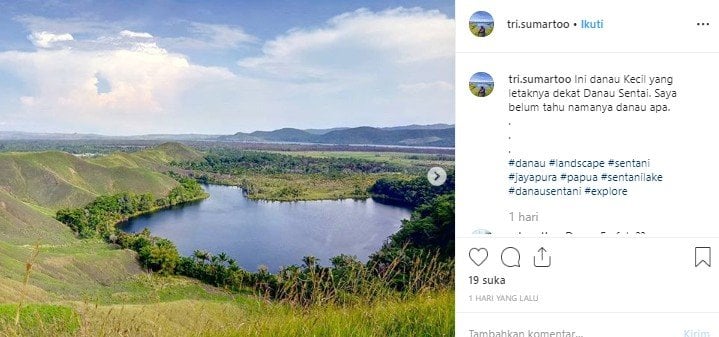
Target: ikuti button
<point x="703" y="257"/>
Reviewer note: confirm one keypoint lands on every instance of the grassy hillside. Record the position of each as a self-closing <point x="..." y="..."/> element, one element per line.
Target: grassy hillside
<point x="76" y="270"/>
<point x="22" y="224"/>
<point x="154" y="158"/>
<point x="52" y="180"/>
<point x="33" y="186"/>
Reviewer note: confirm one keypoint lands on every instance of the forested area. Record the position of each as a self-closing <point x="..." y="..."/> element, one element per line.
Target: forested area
<point x="410" y="192"/>
<point x="228" y="161"/>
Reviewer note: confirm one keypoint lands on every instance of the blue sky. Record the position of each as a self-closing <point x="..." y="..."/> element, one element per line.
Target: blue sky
<point x="481" y="16"/>
<point x="481" y="78"/>
<point x="224" y="66"/>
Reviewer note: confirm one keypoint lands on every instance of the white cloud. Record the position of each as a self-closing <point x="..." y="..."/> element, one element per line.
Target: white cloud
<point x="384" y="68"/>
<point x="46" y="40"/>
<point x="144" y="82"/>
<point x="355" y="39"/>
<point x="364" y="68"/>
<point x="205" y="36"/>
<point x="131" y="34"/>
<point x="223" y="35"/>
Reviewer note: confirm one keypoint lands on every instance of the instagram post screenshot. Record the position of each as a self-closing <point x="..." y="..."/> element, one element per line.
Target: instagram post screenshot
<point x="359" y="168"/>
<point x="584" y="140"/>
<point x="227" y="168"/>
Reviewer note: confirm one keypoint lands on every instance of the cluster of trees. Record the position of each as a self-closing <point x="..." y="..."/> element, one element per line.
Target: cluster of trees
<point x="427" y="238"/>
<point x="218" y="270"/>
<point x="346" y="280"/>
<point x="221" y="271"/>
<point x="410" y="193"/>
<point x="76" y="146"/>
<point x="99" y="217"/>
<point x="430" y="228"/>
<point x="154" y="253"/>
<point x="235" y="162"/>
<point x="188" y="190"/>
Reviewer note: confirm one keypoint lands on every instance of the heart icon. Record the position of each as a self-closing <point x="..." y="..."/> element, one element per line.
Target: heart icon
<point x="478" y="255"/>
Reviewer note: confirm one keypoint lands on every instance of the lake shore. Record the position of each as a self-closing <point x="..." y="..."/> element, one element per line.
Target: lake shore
<point x="299" y="187"/>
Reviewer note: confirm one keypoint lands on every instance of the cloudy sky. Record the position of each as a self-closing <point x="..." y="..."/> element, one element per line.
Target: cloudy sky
<point x="224" y="66"/>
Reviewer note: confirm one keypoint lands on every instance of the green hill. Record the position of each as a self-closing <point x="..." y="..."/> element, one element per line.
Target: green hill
<point x="23" y="224"/>
<point x="156" y="158"/>
<point x="52" y="180"/>
<point x="34" y="185"/>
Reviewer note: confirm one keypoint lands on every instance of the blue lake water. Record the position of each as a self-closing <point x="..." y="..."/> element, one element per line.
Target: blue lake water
<point x="273" y="234"/>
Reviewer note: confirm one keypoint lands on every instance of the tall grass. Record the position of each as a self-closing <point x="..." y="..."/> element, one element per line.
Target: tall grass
<point x="407" y="296"/>
<point x="39" y="320"/>
<point x="35" y="319"/>
<point x="26" y="278"/>
<point x="430" y="314"/>
<point x="350" y="282"/>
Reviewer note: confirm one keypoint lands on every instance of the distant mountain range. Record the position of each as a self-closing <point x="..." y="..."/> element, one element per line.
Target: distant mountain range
<point x="439" y="135"/>
<point x="435" y="135"/>
<point x="406" y="127"/>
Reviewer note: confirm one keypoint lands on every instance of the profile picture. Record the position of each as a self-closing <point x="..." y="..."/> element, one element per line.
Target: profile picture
<point x="481" y="84"/>
<point x="481" y="24"/>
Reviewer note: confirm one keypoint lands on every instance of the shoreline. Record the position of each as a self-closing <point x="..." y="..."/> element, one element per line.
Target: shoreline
<point x="218" y="179"/>
<point x="158" y="209"/>
<point x="376" y="198"/>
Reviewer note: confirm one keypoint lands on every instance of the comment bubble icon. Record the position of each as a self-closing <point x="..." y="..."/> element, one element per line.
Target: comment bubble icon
<point x="511" y="257"/>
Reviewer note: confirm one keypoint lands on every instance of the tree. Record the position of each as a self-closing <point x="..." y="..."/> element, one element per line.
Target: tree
<point x="310" y="262"/>
<point x="201" y="256"/>
<point x="431" y="227"/>
<point x="145" y="202"/>
<point x="161" y="257"/>
<point x="222" y="257"/>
